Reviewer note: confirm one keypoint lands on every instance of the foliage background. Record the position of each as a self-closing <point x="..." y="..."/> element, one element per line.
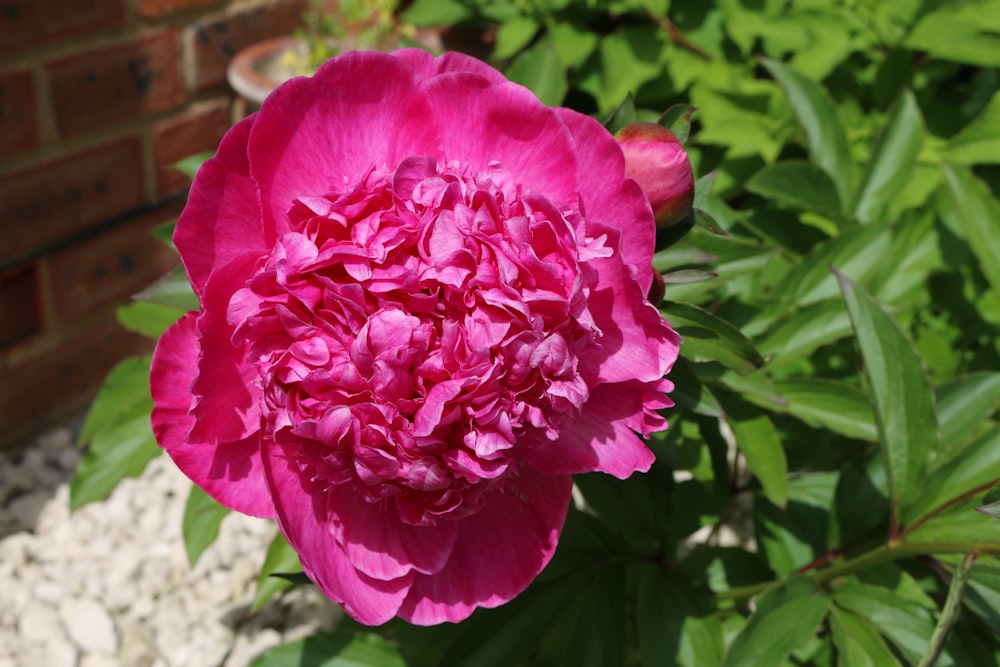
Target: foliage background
<point x="814" y="500"/>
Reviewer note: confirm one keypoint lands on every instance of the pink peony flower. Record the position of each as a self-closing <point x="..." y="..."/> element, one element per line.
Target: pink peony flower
<point x="656" y="159"/>
<point x="422" y="309"/>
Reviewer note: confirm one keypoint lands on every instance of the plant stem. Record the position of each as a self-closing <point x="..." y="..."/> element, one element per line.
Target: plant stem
<point x="949" y="614"/>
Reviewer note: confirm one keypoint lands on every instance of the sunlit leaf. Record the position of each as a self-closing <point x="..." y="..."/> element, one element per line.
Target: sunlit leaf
<point x="901" y="395"/>
<point x="200" y="526"/>
<point x="978" y="212"/>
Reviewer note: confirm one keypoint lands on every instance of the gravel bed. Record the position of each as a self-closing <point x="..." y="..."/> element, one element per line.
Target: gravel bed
<point x="110" y="584"/>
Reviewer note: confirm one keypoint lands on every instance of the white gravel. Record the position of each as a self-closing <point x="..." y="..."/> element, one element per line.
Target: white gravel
<point x="110" y="585"/>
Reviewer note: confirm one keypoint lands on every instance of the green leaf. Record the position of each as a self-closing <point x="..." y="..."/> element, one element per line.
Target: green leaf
<point x="202" y="518"/>
<point x="858" y="642"/>
<point x="960" y="526"/>
<point x="539" y="69"/>
<point x="280" y="558"/>
<point x="677" y="119"/>
<point x="906" y="625"/>
<point x="964" y="403"/>
<point x="965" y="32"/>
<point x="798" y="184"/>
<point x="850" y="253"/>
<point x="117" y="434"/>
<point x="978" y="212"/>
<point x="757" y="438"/>
<point x="147" y="318"/>
<point x="173" y="289"/>
<point x="574" y="43"/>
<point x="979" y="141"/>
<point x="624" y="114"/>
<point x="508" y="634"/>
<point x="436" y="12"/>
<point x="977" y="467"/>
<point x="805" y="329"/>
<point x="901" y="396"/>
<point x="514" y="35"/>
<point x="893" y="161"/>
<point x="983" y="594"/>
<point x="337" y="649"/>
<point x="685" y="632"/>
<point x="795" y="535"/>
<point x="830" y="404"/>
<point x="823" y="127"/>
<point x="991" y="503"/>
<point x="708" y="337"/>
<point x="190" y="165"/>
<point x="599" y="632"/>
<point x="690" y="392"/>
<point x="786" y="619"/>
<point x="629" y="57"/>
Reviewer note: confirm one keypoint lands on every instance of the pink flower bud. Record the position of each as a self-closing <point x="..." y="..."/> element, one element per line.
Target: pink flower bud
<point x="656" y="160"/>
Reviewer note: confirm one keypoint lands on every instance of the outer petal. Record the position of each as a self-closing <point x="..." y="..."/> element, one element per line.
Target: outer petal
<point x="608" y="196"/>
<point x="360" y="109"/>
<point x="222" y="217"/>
<point x="226" y="388"/>
<point x="382" y="546"/>
<point x="483" y="122"/>
<point x="231" y="471"/>
<point x="427" y="65"/>
<point x="603" y="437"/>
<point x="499" y="550"/>
<point x="305" y="521"/>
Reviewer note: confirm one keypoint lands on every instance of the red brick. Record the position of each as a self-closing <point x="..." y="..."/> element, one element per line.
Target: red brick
<point x="20" y="308"/>
<point x="217" y="38"/>
<point x="109" y="268"/>
<point x="29" y="22"/>
<point x="51" y="202"/>
<point x="109" y="85"/>
<point x="154" y="8"/>
<point x="175" y="139"/>
<point x="18" y="124"/>
<point x="57" y="384"/>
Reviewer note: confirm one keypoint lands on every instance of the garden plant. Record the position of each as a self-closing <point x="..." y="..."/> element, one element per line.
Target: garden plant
<point x="425" y="316"/>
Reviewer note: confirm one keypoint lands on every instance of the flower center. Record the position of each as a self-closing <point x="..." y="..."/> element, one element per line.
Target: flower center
<point x="416" y="327"/>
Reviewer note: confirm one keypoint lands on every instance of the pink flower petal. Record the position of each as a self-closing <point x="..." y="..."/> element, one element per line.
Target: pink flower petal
<point x="483" y="122"/>
<point x="230" y="472"/>
<point x="315" y="134"/>
<point x="222" y="218"/>
<point x="498" y="552"/>
<point x="226" y="386"/>
<point x="427" y="66"/>
<point x="379" y="544"/>
<point x="609" y="197"/>
<point x="602" y="438"/>
<point x="305" y="521"/>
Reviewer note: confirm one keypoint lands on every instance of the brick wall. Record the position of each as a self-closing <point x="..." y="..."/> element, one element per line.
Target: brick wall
<point x="98" y="99"/>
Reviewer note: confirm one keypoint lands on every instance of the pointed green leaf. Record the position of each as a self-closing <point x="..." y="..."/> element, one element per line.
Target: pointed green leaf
<point x="336" y="649"/>
<point x="979" y="141"/>
<point x="117" y="434"/>
<point x="514" y="35"/>
<point x="803" y="330"/>
<point x="708" y="337"/>
<point x="798" y="184"/>
<point x="599" y="630"/>
<point x="906" y="625"/>
<point x="624" y="114"/>
<point x="200" y="526"/>
<point x="686" y="632"/>
<point x="965" y="32"/>
<point x="690" y="392"/>
<point x="677" y="119"/>
<point x="901" y="396"/>
<point x="977" y="467"/>
<point x="173" y="289"/>
<point x="858" y="642"/>
<point x="823" y="127"/>
<point x="830" y="404"/>
<point x="147" y="318"/>
<point x="978" y="212"/>
<point x="964" y="403"/>
<point x="761" y="446"/>
<point x="280" y="558"/>
<point x="960" y="527"/>
<point x="190" y="165"/>
<point x="786" y="619"/>
<point x="795" y="535"/>
<point x="991" y="503"/>
<point x="892" y="162"/>
<point x="983" y="594"/>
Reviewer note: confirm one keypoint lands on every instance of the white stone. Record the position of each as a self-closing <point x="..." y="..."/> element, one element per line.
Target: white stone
<point x="59" y="653"/>
<point x="89" y="625"/>
<point x="39" y="622"/>
<point x="98" y="660"/>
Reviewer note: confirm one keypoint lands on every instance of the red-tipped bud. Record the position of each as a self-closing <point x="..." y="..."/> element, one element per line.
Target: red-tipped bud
<point x="656" y="159"/>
